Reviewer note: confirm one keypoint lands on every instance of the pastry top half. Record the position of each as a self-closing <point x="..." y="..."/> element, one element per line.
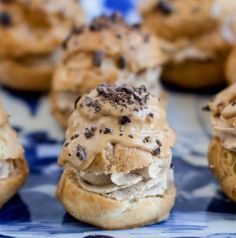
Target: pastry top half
<point x="223" y="109"/>
<point x="36" y="26"/>
<point x="191" y="29"/>
<point x="119" y="142"/>
<point x="10" y="148"/>
<point x="107" y="51"/>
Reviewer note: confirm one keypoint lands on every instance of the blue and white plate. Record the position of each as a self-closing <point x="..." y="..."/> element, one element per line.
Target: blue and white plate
<point x="201" y="209"/>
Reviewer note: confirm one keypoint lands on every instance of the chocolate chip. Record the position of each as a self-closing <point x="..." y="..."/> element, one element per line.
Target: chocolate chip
<point x="107" y="131"/>
<point x="147" y="139"/>
<point x="165" y="7"/>
<point x="131" y="136"/>
<point x="122" y="62"/>
<point x="125" y="120"/>
<point x="75" y="31"/>
<point x="5" y="19"/>
<point x="66" y="144"/>
<point x="158" y="142"/>
<point x="74" y="136"/>
<point x="88" y="101"/>
<point x="89" y="132"/>
<point x="97" y="58"/>
<point x="233" y="103"/>
<point x="151" y="115"/>
<point x="136" y="25"/>
<point x="76" y="101"/>
<point x="156" y="151"/>
<point x="206" y="108"/>
<point x="81" y="153"/>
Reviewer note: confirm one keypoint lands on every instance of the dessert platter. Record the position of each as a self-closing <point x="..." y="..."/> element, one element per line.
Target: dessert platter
<point x="88" y="151"/>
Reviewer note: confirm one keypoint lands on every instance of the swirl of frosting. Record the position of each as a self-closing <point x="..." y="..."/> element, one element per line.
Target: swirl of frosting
<point x="122" y="115"/>
<point x="119" y="143"/>
<point x="223" y="117"/>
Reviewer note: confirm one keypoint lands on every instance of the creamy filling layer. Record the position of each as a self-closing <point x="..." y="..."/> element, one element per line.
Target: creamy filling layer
<point x="6" y="168"/>
<point x="181" y="51"/>
<point x="153" y="180"/>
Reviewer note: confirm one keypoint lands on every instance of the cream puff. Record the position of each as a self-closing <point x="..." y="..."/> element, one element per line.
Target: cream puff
<point x="106" y="51"/>
<point x="117" y="159"/>
<point x="33" y="33"/>
<point x="195" y="35"/>
<point x="13" y="166"/>
<point x="222" y="151"/>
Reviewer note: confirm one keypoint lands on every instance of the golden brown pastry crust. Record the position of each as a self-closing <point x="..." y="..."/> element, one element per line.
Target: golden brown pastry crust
<point x="193" y="74"/>
<point x="175" y="19"/>
<point x="222" y="163"/>
<point x="10" y="185"/>
<point x="101" y="211"/>
<point x="193" y="30"/>
<point x="230" y="69"/>
<point x="36" y="26"/>
<point x="33" y="75"/>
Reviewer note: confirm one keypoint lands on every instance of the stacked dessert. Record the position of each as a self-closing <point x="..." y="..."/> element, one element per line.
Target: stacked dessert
<point x="13" y="166"/>
<point x="32" y="31"/>
<point x="117" y="157"/>
<point x="106" y="51"/>
<point x="222" y="151"/>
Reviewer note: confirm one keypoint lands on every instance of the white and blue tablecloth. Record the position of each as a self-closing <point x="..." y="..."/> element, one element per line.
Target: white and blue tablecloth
<point x="201" y="209"/>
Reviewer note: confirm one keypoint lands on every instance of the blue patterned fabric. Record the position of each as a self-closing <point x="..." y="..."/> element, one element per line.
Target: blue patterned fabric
<point x="201" y="209"/>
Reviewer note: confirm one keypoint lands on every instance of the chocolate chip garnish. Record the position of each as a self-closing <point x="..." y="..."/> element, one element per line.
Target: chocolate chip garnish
<point x="74" y="136"/>
<point x="81" y="153"/>
<point x="66" y="144"/>
<point x="158" y="142"/>
<point x="233" y="103"/>
<point x="131" y="136"/>
<point x="97" y="58"/>
<point x="107" y="131"/>
<point x="5" y="19"/>
<point x="206" y="108"/>
<point x="124" y="120"/>
<point x="89" y="132"/>
<point x="147" y="139"/>
<point x="164" y="7"/>
<point x="87" y="101"/>
<point x="76" y="101"/>
<point x="122" y="62"/>
<point x="156" y="151"/>
<point x="151" y="115"/>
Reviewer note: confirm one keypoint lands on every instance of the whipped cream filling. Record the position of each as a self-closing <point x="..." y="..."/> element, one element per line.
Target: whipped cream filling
<point x="224" y="117"/>
<point x="225" y="10"/>
<point x="181" y="51"/>
<point x="5" y="168"/>
<point x="153" y="180"/>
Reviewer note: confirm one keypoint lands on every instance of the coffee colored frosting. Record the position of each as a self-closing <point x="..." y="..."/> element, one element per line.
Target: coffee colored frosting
<point x="122" y="115"/>
<point x="224" y="117"/>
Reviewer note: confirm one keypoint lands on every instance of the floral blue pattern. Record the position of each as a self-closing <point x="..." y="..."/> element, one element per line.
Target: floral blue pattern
<point x="201" y="209"/>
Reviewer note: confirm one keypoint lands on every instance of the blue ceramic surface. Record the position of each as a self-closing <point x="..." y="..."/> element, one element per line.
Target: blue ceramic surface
<point x="201" y="209"/>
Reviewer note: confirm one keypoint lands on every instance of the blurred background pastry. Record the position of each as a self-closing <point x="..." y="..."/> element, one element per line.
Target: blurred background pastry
<point x="230" y="69"/>
<point x="32" y="32"/>
<point x="117" y="156"/>
<point x="106" y="51"/>
<point x="222" y="151"/>
<point x="196" y="35"/>
<point x="13" y="166"/>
